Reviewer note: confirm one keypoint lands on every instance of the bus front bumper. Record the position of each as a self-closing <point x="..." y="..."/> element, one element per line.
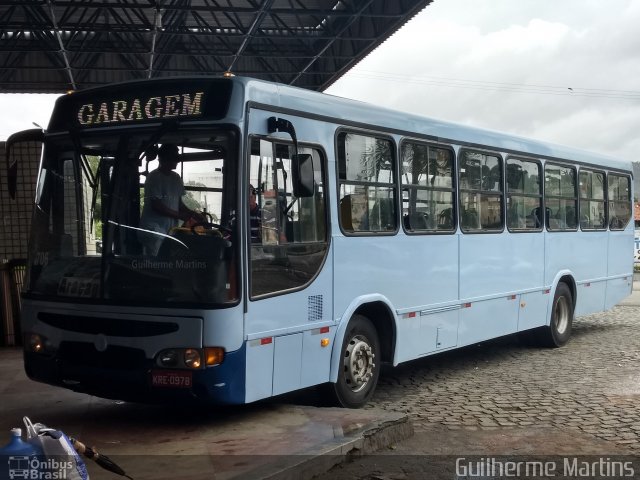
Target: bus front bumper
<point x="222" y="384"/>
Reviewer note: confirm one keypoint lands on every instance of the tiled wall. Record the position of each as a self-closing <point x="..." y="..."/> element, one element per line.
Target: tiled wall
<point x="15" y="215"/>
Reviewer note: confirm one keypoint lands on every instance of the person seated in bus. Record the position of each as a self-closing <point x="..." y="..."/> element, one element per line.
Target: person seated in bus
<point x="163" y="206"/>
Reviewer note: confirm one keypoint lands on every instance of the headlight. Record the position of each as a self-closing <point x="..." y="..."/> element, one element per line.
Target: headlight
<point x="168" y="358"/>
<point x="192" y="358"/>
<point x="35" y="343"/>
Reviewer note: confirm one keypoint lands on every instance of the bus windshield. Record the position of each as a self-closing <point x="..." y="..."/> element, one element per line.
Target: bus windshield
<point x="114" y="221"/>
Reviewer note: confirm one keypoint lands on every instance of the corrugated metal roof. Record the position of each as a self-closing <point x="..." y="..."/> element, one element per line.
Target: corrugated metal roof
<point x="59" y="45"/>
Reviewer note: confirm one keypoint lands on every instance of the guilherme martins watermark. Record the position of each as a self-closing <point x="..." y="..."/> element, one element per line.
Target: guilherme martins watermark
<point x="564" y="467"/>
<point x="147" y="264"/>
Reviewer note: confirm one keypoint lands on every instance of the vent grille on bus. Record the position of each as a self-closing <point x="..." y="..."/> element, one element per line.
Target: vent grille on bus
<point x="113" y="327"/>
<point x="314" y="308"/>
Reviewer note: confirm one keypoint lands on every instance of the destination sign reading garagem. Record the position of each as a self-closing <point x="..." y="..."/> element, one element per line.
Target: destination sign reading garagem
<point x="144" y="108"/>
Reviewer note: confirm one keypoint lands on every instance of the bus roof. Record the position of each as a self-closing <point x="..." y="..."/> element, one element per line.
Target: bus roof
<point x="320" y="105"/>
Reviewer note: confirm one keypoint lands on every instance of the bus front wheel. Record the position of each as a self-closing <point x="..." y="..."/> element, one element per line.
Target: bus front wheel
<point x="359" y="367"/>
<point x="560" y="324"/>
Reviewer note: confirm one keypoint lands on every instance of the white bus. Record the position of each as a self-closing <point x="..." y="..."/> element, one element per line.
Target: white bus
<point x="378" y="237"/>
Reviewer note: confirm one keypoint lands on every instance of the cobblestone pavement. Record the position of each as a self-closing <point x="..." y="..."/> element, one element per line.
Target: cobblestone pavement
<point x="591" y="385"/>
<point x="504" y="397"/>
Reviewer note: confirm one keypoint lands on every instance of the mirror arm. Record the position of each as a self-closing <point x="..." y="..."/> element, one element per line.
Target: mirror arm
<point x="281" y="125"/>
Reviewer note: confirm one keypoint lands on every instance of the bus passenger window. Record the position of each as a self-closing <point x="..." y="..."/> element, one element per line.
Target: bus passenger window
<point x="367" y="186"/>
<point x="480" y="192"/>
<point x="427" y="188"/>
<point x="592" y="200"/>
<point x="524" y="195"/>
<point x="560" y="197"/>
<point x="619" y="189"/>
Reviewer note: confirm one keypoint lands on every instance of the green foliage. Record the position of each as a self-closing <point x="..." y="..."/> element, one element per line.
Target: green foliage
<point x="189" y="200"/>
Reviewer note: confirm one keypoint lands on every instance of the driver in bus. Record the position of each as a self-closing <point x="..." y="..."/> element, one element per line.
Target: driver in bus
<point x="163" y="206"/>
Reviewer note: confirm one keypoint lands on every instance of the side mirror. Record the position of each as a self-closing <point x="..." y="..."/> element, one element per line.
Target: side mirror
<point x="302" y="175"/>
<point x="32" y="135"/>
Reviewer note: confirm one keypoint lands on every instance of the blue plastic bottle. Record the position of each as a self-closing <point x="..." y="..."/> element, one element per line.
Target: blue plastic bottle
<point x="17" y="446"/>
<point x="16" y="456"/>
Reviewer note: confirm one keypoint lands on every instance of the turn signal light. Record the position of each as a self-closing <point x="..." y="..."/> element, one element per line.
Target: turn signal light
<point x="213" y="356"/>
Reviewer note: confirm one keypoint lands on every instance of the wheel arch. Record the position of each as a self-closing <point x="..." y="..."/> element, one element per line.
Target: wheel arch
<point x="377" y="308"/>
<point x="566" y="277"/>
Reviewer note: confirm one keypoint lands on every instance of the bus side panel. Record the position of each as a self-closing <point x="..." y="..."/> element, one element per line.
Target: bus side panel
<point x="259" y="370"/>
<point x="316" y="358"/>
<point x="444" y="326"/>
<point x="620" y="263"/>
<point x="617" y="290"/>
<point x="590" y="297"/>
<point x="413" y="272"/>
<point x="430" y="278"/>
<point x="533" y="310"/>
<point x="488" y="319"/>
<point x="287" y="363"/>
<point x="506" y="263"/>
<point x="496" y="264"/>
<point x="588" y="262"/>
<point x="561" y="254"/>
<point x="426" y="332"/>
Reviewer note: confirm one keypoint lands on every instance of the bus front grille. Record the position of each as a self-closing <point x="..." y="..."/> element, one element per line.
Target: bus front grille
<point x="114" y="357"/>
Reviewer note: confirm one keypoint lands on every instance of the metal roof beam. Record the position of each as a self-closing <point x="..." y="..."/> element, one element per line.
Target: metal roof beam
<point x="62" y="50"/>
<point x="344" y="28"/>
<point x="254" y="26"/>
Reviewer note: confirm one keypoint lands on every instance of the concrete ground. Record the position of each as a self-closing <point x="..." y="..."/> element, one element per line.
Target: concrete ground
<point x="263" y="440"/>
<point x="493" y="399"/>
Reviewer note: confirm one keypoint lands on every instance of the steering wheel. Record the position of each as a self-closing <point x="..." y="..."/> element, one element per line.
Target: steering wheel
<point x="210" y="226"/>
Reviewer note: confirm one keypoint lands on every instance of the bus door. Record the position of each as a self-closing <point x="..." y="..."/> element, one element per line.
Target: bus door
<point x="289" y="282"/>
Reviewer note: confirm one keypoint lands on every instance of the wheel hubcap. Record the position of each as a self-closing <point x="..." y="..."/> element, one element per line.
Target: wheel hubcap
<point x="358" y="363"/>
<point x="561" y="315"/>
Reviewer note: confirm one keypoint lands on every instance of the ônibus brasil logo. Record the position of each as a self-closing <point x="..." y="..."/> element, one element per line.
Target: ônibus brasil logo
<point x="33" y="468"/>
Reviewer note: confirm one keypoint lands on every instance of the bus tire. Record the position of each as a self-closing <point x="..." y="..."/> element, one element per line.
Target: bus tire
<point x="359" y="367"/>
<point x="560" y="325"/>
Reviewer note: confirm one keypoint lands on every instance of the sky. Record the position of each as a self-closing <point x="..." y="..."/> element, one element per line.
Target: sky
<point x="563" y="71"/>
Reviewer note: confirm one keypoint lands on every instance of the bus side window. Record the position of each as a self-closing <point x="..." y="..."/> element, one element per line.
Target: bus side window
<point x="428" y="189"/>
<point x="619" y="201"/>
<point x="561" y="197"/>
<point x="481" y="192"/>
<point x="367" y="185"/>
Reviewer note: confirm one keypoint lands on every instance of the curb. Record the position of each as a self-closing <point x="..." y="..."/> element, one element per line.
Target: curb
<point x="362" y="442"/>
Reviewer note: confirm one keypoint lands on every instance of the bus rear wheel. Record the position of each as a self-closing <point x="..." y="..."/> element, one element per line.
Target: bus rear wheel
<point x="359" y="367"/>
<point x="560" y="325"/>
